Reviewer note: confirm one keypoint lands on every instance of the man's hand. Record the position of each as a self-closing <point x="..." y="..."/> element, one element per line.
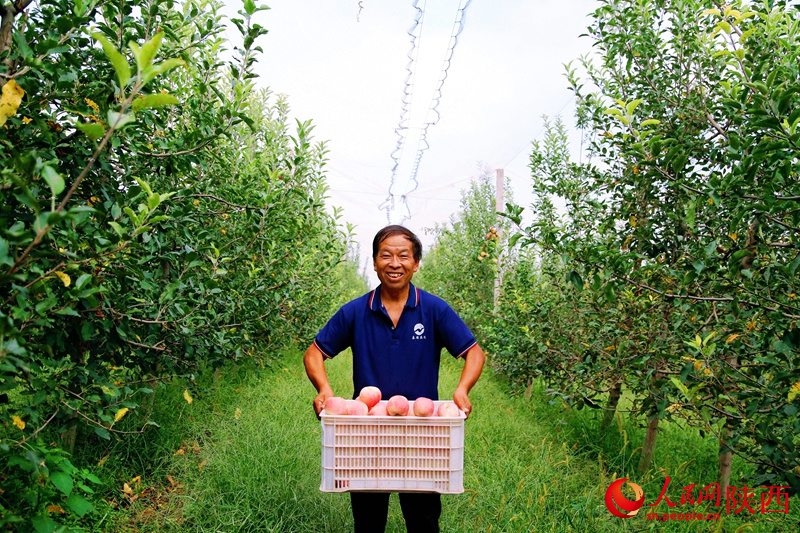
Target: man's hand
<point x="319" y="401"/>
<point x="315" y="369"/>
<point x="462" y="401"/>
<point x="473" y="365"/>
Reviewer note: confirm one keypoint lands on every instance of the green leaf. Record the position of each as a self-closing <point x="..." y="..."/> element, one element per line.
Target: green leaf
<point x="165" y="66"/>
<point x="4" y="258"/>
<point x="119" y="120"/>
<point x="102" y="433"/>
<point x="81" y="281"/>
<point x="92" y="130"/>
<point x="631" y="107"/>
<point x="145" y="55"/>
<point x="80" y="505"/>
<point x="154" y="100"/>
<point x="144" y="185"/>
<point x="576" y="280"/>
<point x="121" y="66"/>
<point x="792" y="267"/>
<point x="116" y="227"/>
<point x="131" y="215"/>
<point x="53" y="179"/>
<point x="650" y="122"/>
<point x="680" y="386"/>
<point x="153" y="201"/>
<point x="62" y="482"/>
<point x="44" y="524"/>
<point x="87" y="330"/>
<point x="249" y="7"/>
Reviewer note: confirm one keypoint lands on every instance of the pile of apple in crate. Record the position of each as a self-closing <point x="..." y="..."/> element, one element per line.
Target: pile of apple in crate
<point x="393" y="445"/>
<point x="369" y="403"/>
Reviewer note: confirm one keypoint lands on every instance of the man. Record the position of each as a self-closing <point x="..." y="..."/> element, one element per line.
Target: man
<point x="396" y="334"/>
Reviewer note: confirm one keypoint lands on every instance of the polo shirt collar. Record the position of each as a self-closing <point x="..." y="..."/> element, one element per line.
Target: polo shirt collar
<point x="375" y="298"/>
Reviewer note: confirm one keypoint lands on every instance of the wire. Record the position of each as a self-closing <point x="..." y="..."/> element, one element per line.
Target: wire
<point x="408" y="96"/>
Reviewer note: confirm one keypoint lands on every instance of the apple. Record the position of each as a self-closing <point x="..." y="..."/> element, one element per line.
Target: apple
<point x="423" y="407"/>
<point x="335" y="405"/>
<point x="370" y="396"/>
<point x="379" y="410"/>
<point x="448" y="409"/>
<point x="357" y="408"/>
<point x="397" y="405"/>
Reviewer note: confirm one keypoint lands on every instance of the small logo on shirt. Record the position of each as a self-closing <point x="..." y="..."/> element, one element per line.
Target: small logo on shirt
<point x="419" y="332"/>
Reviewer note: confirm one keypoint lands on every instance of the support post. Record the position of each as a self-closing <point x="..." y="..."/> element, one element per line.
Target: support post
<point x="499" y="205"/>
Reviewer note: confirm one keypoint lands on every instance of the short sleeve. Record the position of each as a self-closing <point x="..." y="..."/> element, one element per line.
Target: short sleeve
<point x="454" y="334"/>
<point x="337" y="334"/>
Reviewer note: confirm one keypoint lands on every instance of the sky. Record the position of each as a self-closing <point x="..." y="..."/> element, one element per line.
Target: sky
<point x="345" y="65"/>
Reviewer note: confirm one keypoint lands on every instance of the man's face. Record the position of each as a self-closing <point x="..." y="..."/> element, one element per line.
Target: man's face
<point x="395" y="262"/>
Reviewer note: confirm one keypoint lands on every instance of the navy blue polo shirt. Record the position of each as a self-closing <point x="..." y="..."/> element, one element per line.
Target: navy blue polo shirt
<point x="398" y="360"/>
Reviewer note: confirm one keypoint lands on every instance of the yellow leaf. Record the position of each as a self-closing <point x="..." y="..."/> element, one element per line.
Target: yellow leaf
<point x="127" y="489"/>
<point x="65" y="279"/>
<point x="201" y="466"/>
<point x="732" y="337"/>
<point x="9" y="102"/>
<point x="794" y="391"/>
<point x="55" y="509"/>
<point x="237" y="413"/>
<point x="122" y="412"/>
<point x="18" y="422"/>
<point x="187" y="396"/>
<point x="102" y="461"/>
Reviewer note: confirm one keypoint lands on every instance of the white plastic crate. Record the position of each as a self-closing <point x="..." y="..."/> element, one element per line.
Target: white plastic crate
<point x="393" y="453"/>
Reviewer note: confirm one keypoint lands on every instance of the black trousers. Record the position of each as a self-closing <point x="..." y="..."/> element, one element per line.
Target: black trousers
<point x="421" y="511"/>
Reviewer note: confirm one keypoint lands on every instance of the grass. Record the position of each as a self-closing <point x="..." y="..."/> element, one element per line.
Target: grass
<point x="245" y="456"/>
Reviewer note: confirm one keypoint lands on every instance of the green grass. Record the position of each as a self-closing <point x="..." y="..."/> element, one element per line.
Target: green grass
<point x="245" y="456"/>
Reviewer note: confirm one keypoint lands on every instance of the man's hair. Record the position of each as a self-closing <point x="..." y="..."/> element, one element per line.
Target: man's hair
<point x="391" y="231"/>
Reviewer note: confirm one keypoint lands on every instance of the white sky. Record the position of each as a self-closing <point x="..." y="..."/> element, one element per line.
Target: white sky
<point x="345" y="69"/>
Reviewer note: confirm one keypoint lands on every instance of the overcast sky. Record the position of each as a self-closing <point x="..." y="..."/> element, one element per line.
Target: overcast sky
<point x="343" y="64"/>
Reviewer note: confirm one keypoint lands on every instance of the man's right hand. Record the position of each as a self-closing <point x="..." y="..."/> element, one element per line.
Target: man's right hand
<point x="319" y="401"/>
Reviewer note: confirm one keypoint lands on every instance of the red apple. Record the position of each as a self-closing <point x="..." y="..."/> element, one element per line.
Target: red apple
<point x="378" y="410"/>
<point x="448" y="409"/>
<point x="370" y="396"/>
<point x="357" y="408"/>
<point x="335" y="405"/>
<point x="397" y="406"/>
<point x="423" y="407"/>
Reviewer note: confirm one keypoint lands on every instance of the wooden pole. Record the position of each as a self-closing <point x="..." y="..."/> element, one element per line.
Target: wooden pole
<point x="499" y="205"/>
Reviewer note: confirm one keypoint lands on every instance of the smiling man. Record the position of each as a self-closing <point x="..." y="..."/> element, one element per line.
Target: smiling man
<point x="396" y="334"/>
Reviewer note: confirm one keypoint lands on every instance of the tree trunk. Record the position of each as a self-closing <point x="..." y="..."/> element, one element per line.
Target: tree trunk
<point x="7" y="14"/>
<point x="649" y="447"/>
<point x="68" y="436"/>
<point x="613" y="400"/>
<point x="725" y="463"/>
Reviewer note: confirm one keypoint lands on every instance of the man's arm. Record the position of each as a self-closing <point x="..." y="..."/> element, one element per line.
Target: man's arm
<point x="314" y="362"/>
<point x="473" y="365"/>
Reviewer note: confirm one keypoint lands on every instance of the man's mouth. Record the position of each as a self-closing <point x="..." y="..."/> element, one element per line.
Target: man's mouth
<point x="394" y="275"/>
